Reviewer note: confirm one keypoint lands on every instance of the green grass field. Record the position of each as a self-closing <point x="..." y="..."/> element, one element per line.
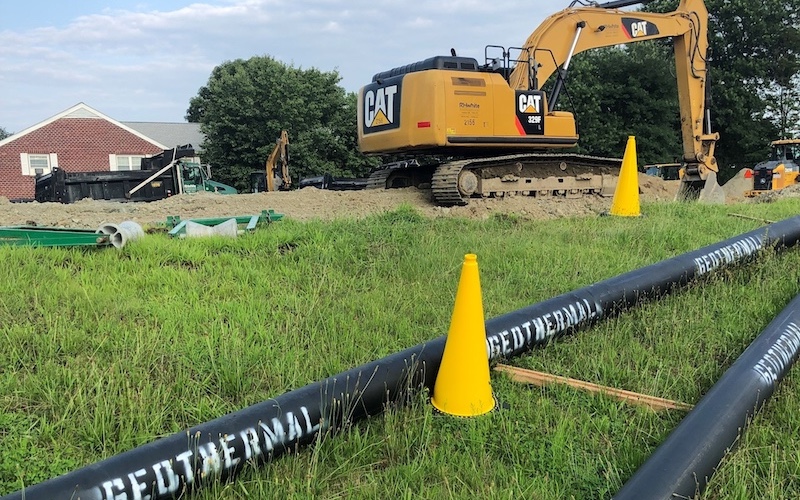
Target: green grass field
<point x="106" y="350"/>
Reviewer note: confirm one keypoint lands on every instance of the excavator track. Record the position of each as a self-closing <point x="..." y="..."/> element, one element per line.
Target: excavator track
<point x="444" y="184"/>
<point x="400" y="174"/>
<point x="378" y="178"/>
<point x="538" y="175"/>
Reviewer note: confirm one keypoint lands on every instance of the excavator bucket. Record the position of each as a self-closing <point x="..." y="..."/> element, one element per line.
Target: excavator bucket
<point x="705" y="191"/>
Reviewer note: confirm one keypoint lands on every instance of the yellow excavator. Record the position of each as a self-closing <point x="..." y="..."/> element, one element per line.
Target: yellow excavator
<point x="275" y="175"/>
<point x="453" y="106"/>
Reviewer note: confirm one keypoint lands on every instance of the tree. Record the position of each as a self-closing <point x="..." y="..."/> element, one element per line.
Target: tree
<point x="245" y="105"/>
<point x="4" y="133"/>
<point x="783" y="107"/>
<point x="616" y="92"/>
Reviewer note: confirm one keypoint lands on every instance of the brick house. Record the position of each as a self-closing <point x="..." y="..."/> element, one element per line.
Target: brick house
<point x="81" y="139"/>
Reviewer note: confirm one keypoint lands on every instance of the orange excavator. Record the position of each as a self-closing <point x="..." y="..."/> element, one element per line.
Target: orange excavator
<point x="504" y="128"/>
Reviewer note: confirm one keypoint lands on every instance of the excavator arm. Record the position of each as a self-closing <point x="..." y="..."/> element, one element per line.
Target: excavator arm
<point x="549" y="49"/>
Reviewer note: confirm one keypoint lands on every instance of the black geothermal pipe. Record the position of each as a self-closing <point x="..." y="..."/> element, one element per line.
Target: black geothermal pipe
<point x="218" y="449"/>
<point x="684" y="463"/>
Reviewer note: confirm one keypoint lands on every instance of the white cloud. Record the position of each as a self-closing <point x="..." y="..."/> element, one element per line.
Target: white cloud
<point x="137" y="64"/>
<point x="419" y="22"/>
<point x="333" y="27"/>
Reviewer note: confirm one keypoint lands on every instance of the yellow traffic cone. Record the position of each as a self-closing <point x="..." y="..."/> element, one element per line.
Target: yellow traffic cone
<point x="626" y="196"/>
<point x="462" y="386"/>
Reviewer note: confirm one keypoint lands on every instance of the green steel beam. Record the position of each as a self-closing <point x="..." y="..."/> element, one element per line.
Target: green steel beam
<point x="51" y="237"/>
<point x="252" y="221"/>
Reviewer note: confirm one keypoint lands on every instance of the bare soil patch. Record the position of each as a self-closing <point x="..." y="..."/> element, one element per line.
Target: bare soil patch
<point x="308" y="204"/>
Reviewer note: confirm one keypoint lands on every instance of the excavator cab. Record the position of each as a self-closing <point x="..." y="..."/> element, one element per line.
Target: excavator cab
<point x="192" y="182"/>
<point x="787" y="151"/>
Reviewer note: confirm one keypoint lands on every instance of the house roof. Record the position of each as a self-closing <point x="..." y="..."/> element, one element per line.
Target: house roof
<point x="171" y="134"/>
<point x="82" y="110"/>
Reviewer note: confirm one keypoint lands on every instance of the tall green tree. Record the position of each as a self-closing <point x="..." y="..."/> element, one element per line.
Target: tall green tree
<point x="245" y="105"/>
<point x="783" y="107"/>
<point x="4" y="133"/>
<point x="617" y="92"/>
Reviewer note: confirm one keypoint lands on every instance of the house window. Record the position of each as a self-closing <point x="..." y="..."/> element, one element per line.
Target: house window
<point x="37" y="164"/>
<point x="127" y="162"/>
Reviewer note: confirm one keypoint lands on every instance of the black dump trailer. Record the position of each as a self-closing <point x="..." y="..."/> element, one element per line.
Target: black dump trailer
<point x="68" y="187"/>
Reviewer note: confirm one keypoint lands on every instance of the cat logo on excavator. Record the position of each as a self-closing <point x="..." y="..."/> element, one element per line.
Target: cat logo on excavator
<point x="529" y="103"/>
<point x="530" y="112"/>
<point x="637" y="28"/>
<point x="381" y="107"/>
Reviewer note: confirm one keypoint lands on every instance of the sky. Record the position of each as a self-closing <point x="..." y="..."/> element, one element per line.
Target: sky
<point x="144" y="60"/>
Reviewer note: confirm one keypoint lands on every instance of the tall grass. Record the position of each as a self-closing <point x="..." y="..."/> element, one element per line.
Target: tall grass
<point x="106" y="350"/>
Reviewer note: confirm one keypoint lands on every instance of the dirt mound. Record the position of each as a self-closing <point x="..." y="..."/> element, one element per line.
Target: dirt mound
<point x="310" y="203"/>
<point x="792" y="191"/>
<point x="737" y="186"/>
<point x="657" y="189"/>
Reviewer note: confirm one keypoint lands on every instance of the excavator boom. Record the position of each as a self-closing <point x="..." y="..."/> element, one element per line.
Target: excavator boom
<point x="547" y="49"/>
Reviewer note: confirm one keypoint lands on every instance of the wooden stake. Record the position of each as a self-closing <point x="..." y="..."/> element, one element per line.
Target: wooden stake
<point x="753" y="218"/>
<point x="542" y="379"/>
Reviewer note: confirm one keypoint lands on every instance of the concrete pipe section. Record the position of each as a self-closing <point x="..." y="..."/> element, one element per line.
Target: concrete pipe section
<point x="120" y="234"/>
